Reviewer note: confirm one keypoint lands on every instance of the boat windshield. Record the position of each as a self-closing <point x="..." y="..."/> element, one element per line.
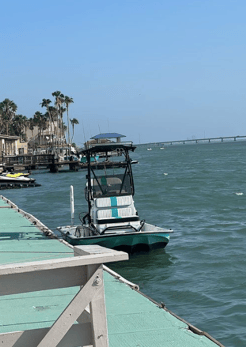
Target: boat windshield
<point x="111" y="185"/>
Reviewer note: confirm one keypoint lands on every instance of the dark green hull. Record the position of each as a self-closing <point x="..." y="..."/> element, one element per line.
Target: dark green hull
<point x="128" y="242"/>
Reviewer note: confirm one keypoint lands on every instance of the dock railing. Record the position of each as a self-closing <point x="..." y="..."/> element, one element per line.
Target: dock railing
<point x="83" y="322"/>
<point x="28" y="159"/>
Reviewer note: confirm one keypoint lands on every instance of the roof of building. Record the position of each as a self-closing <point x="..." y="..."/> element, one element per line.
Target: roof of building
<point x="107" y="136"/>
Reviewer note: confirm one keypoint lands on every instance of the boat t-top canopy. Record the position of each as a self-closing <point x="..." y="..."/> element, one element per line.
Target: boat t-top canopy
<point x="107" y="136"/>
<point x="107" y="147"/>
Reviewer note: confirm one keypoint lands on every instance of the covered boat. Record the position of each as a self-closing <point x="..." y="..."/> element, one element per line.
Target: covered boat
<point x="112" y="220"/>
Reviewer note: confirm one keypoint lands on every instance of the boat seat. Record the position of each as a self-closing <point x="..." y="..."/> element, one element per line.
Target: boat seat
<point x="114" y="201"/>
<point x="117" y="215"/>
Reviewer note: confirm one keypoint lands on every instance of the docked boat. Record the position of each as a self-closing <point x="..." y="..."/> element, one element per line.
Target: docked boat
<point x="16" y="180"/>
<point x="112" y="220"/>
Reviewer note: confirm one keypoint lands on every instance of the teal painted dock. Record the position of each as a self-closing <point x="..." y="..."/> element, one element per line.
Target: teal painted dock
<point x="132" y="318"/>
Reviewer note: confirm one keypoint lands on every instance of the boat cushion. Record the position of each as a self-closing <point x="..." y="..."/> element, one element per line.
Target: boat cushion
<point x="114" y="201"/>
<point x="134" y="221"/>
<point x="116" y="213"/>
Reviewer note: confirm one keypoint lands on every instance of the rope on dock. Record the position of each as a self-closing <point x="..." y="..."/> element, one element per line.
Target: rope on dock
<point x="120" y="278"/>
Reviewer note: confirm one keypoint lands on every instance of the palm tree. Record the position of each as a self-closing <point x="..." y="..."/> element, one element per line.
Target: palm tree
<point x="64" y="127"/>
<point x="38" y="121"/>
<point x="73" y="122"/>
<point x="60" y="99"/>
<point x="63" y="130"/>
<point x="68" y="101"/>
<point x="25" y="125"/>
<point x="54" y="116"/>
<point x="31" y="124"/>
<point x="7" y="111"/>
<point x="18" y="125"/>
<point x="46" y="103"/>
<point x="44" y="122"/>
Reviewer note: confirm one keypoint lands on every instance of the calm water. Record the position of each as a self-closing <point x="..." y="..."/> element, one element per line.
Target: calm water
<point x="200" y="192"/>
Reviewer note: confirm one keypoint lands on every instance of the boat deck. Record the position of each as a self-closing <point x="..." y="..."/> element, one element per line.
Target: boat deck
<point x="133" y="319"/>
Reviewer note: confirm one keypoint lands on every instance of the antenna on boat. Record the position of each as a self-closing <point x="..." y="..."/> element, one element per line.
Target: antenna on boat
<point x="72" y="204"/>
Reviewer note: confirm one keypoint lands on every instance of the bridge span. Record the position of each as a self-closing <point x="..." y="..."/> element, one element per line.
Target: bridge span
<point x="201" y="140"/>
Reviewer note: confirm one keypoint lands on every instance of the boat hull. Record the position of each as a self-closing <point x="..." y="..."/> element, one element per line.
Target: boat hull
<point x="20" y="179"/>
<point x="128" y="242"/>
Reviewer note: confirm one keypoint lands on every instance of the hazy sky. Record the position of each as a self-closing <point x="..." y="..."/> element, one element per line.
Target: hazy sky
<point x="151" y="70"/>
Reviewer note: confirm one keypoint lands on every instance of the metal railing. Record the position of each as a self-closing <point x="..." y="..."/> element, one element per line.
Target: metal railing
<point x="27" y="159"/>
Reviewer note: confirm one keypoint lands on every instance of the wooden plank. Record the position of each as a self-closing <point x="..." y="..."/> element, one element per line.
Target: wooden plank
<point x="94" y="249"/>
<point x="85" y="317"/>
<point x="78" y="335"/>
<point x="62" y="263"/>
<point x="73" y="311"/>
<point x="98" y="314"/>
<point x="50" y="274"/>
<point x="97" y="306"/>
<point x="42" y="280"/>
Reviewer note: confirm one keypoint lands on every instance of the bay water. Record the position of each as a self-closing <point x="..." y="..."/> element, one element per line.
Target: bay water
<point x="200" y="192"/>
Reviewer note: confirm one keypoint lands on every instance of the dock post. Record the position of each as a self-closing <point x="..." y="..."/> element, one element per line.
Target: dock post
<point x="54" y="166"/>
<point x="96" y="310"/>
<point x="73" y="166"/>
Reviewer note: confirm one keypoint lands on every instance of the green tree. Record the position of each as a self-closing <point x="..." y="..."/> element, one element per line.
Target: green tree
<point x="37" y="120"/>
<point x="7" y="111"/>
<point x="53" y="112"/>
<point x="73" y="122"/>
<point x="18" y="125"/>
<point x="59" y="101"/>
<point x="46" y="103"/>
<point x="40" y="120"/>
<point x="31" y="124"/>
<point x="67" y="102"/>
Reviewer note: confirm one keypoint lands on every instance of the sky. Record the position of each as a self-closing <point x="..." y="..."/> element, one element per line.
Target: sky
<point x="151" y="70"/>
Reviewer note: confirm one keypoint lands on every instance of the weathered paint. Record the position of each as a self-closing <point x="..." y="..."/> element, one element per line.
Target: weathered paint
<point x="133" y="320"/>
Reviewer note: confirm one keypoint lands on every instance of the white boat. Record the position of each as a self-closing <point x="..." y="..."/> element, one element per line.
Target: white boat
<point x="12" y="180"/>
<point x="112" y="220"/>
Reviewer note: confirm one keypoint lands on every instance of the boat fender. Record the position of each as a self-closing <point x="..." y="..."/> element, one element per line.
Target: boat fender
<point x="77" y="232"/>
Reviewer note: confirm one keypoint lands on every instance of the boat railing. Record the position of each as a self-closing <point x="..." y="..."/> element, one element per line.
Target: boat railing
<point x="83" y="321"/>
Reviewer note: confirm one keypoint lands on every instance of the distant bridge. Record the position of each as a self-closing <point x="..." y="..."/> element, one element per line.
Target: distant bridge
<point x="202" y="140"/>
